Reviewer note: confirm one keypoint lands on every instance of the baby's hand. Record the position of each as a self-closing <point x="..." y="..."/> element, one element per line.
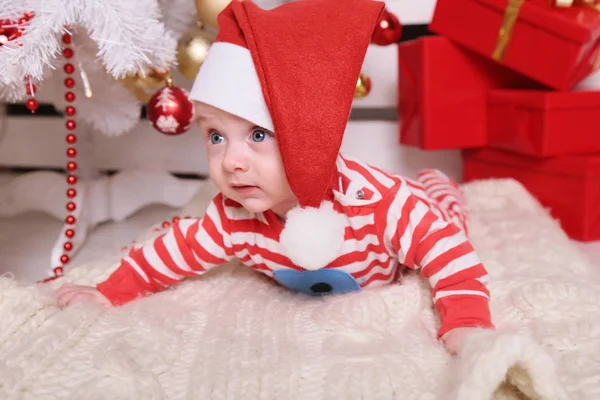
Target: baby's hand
<point x="454" y="338"/>
<point x="70" y="293"/>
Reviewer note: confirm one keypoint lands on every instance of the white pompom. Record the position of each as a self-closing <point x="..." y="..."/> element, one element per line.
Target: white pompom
<point x="313" y="237"/>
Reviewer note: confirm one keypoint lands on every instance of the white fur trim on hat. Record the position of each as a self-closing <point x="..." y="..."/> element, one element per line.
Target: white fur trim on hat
<point x="227" y="80"/>
<point x="313" y="237"/>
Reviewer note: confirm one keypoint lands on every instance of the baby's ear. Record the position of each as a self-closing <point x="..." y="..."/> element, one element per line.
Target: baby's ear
<point x="196" y="111"/>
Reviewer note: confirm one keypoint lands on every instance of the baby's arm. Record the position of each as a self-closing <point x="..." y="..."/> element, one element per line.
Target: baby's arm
<point x="189" y="248"/>
<point x="446" y="257"/>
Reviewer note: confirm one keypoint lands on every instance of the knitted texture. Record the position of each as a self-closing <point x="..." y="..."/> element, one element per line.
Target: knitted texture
<point x="233" y="334"/>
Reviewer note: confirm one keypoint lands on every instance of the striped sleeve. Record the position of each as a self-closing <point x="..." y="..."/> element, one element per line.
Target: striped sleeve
<point x="189" y="248"/>
<point x="422" y="239"/>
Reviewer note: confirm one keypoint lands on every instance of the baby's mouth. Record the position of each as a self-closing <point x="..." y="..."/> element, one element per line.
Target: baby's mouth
<point x="244" y="188"/>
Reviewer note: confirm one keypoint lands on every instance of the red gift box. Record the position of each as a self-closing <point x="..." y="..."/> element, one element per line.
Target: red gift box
<point x="554" y="46"/>
<point x="544" y="123"/>
<point x="442" y="93"/>
<point x="568" y="185"/>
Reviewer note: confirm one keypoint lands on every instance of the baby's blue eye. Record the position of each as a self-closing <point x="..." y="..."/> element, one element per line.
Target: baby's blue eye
<point x="216" y="138"/>
<point x="258" y="135"/>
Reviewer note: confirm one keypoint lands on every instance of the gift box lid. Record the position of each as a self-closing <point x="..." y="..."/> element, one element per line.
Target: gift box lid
<point x="579" y="23"/>
<point x="575" y="166"/>
<point x="545" y="99"/>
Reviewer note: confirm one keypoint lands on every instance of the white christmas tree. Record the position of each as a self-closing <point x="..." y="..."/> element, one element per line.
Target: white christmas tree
<point x="110" y="39"/>
<point x="167" y="123"/>
<point x="165" y="99"/>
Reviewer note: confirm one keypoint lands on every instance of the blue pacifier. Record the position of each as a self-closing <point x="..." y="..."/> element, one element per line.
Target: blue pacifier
<point x="317" y="283"/>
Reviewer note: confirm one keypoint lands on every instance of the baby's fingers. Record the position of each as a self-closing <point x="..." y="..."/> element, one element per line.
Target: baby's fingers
<point x="67" y="287"/>
<point x="64" y="298"/>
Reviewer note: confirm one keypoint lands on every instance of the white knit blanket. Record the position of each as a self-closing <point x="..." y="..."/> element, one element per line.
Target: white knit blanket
<point x="233" y="334"/>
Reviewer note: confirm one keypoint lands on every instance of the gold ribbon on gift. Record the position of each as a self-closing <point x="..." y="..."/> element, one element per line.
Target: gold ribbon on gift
<point x="510" y="18"/>
<point x="506" y="29"/>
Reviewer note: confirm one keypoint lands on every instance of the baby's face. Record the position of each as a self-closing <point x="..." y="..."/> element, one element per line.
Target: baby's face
<point x="244" y="161"/>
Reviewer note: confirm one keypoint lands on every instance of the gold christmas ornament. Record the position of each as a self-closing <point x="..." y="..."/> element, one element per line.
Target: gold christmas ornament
<point x="144" y="83"/>
<point x="208" y="10"/>
<point x="192" y="50"/>
<point x="363" y="86"/>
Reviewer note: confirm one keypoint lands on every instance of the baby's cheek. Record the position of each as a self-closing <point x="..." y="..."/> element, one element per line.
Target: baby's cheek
<point x="215" y="174"/>
<point x="281" y="183"/>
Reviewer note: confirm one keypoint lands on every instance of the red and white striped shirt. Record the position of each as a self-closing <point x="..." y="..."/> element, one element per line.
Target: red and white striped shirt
<point x="393" y="222"/>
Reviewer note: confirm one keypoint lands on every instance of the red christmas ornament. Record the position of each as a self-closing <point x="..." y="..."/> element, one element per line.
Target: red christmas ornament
<point x="170" y="111"/>
<point x="13" y="29"/>
<point x="388" y="29"/>
<point x="70" y="138"/>
<point x="68" y="246"/>
<point x="70" y="111"/>
<point x="70" y="220"/>
<point x="64" y="259"/>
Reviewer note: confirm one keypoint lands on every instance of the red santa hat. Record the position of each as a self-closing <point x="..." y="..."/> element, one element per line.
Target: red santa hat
<point x="293" y="70"/>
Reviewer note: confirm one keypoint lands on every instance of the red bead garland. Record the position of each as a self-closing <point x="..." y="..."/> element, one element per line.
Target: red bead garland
<point x="167" y="224"/>
<point x="71" y="139"/>
<point x="11" y="30"/>
<point x="71" y="153"/>
<point x="30" y="89"/>
<point x="31" y="103"/>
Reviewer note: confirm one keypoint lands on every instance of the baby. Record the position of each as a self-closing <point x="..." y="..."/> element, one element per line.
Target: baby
<point x="272" y="101"/>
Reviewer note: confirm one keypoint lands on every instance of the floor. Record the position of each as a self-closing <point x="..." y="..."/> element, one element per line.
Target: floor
<point x="26" y="241"/>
